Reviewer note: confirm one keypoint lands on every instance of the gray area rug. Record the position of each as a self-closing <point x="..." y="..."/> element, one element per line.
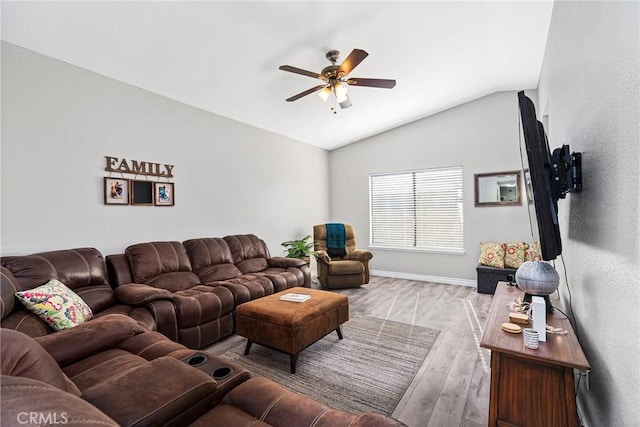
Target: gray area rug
<point x="369" y="370"/>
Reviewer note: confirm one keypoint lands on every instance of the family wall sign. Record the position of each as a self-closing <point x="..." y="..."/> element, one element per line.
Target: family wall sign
<point x="137" y="192"/>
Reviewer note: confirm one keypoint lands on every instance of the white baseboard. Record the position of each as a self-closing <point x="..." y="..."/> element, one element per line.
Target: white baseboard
<point x="425" y="278"/>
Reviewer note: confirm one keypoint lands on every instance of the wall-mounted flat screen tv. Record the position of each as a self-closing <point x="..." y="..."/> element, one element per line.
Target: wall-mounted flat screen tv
<point x="553" y="175"/>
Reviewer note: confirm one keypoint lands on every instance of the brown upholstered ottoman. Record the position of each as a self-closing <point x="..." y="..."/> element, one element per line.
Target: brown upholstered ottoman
<point x="290" y="326"/>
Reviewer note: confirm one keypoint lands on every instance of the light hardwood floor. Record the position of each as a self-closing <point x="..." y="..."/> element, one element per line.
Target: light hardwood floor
<point x="452" y="386"/>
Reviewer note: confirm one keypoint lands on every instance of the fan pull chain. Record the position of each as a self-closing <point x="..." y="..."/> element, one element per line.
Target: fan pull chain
<point x="334" y="98"/>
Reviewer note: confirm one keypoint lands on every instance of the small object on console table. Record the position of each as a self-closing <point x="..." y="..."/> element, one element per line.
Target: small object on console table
<point x="548" y="398"/>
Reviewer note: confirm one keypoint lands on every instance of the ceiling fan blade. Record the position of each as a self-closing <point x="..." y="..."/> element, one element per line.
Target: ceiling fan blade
<point x="291" y="69"/>
<point x="383" y="83"/>
<point x="355" y="57"/>
<point x="305" y="93"/>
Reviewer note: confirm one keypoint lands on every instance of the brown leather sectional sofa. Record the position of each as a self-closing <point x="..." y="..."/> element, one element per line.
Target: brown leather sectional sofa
<point x="205" y="279"/>
<point x="110" y="371"/>
<point x="129" y="364"/>
<point x="187" y="292"/>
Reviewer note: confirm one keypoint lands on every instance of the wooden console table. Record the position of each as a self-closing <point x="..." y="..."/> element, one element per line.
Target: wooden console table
<point x="531" y="387"/>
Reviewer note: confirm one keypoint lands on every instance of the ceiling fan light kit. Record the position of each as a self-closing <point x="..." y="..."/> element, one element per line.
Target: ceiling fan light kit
<point x="336" y="80"/>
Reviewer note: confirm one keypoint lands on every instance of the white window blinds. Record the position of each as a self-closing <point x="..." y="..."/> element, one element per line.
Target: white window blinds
<point x="418" y="209"/>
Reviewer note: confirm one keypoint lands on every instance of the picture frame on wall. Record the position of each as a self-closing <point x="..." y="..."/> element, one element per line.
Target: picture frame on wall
<point x="527" y="186"/>
<point x="116" y="191"/>
<point x="141" y="193"/>
<point x="163" y="194"/>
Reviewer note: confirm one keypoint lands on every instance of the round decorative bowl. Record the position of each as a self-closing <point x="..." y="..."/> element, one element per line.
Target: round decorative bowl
<point x="537" y="278"/>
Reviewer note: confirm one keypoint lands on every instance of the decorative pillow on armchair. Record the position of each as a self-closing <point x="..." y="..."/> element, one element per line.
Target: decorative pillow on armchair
<point x="514" y="254"/>
<point x="56" y="304"/>
<point x="533" y="252"/>
<point x="492" y="254"/>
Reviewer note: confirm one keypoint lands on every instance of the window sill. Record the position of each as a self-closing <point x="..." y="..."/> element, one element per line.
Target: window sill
<point x="424" y="250"/>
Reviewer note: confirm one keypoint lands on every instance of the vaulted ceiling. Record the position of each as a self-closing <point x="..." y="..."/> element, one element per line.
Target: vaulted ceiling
<point x="223" y="56"/>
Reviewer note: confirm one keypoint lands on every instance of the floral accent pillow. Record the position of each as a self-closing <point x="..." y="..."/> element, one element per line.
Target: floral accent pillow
<point x="492" y="254"/>
<point x="56" y="304"/>
<point x="514" y="254"/>
<point x="533" y="252"/>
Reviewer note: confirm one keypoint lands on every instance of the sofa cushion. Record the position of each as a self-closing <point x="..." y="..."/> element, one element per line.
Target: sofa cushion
<point x="514" y="254"/>
<point x="346" y="267"/>
<point x="533" y="252"/>
<point x="26" y="322"/>
<point x="8" y="287"/>
<point x="154" y="393"/>
<point x="492" y="254"/>
<point x="56" y="304"/>
<point x="82" y="270"/>
<point x="89" y="338"/>
<point x="201" y="303"/>
<point x="142" y="315"/>
<point x="246" y="246"/>
<point x="23" y="398"/>
<point x="253" y="265"/>
<point x="228" y="416"/>
<point x="99" y="367"/>
<point x="211" y="259"/>
<point x="21" y="356"/>
<point x="161" y="264"/>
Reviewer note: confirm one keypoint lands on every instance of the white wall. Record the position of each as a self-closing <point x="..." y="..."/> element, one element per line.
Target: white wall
<point x="58" y="123"/>
<point x="482" y="136"/>
<point x="589" y="89"/>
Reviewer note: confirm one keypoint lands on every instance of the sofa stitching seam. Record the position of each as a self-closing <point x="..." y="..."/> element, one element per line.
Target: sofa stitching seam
<point x="168" y="402"/>
<point x="96" y="366"/>
<point x="317" y="418"/>
<point x="86" y="264"/>
<point x="272" y="404"/>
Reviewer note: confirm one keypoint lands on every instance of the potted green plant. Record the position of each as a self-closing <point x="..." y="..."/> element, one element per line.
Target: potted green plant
<point x="301" y="248"/>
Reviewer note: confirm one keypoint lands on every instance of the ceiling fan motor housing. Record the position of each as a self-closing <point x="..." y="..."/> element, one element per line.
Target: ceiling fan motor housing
<point x="330" y="72"/>
<point x="332" y="56"/>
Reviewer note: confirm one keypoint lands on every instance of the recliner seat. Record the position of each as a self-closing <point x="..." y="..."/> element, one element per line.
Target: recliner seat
<point x="212" y="262"/>
<point x="203" y="313"/>
<point x="251" y="256"/>
<point x="348" y="271"/>
<point x="82" y="270"/>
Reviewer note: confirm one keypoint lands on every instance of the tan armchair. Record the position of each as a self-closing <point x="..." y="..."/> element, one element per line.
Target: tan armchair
<point x="348" y="271"/>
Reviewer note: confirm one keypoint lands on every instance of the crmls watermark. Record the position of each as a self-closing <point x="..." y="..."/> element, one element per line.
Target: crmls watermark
<point x="39" y="418"/>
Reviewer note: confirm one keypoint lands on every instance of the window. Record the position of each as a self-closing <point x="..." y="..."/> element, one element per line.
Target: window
<point x="418" y="210"/>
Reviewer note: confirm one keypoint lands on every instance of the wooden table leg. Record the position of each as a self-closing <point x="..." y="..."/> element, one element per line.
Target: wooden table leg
<point x="248" y="347"/>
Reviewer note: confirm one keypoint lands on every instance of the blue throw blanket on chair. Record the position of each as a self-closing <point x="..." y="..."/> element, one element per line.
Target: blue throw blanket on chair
<point x="336" y="237"/>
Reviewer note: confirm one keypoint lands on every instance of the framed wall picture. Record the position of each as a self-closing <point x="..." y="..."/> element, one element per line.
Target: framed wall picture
<point x="116" y="191"/>
<point x="141" y="193"/>
<point x="163" y="193"/>
<point x="527" y="185"/>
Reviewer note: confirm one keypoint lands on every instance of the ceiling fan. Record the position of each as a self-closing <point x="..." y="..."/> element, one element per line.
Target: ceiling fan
<point x="335" y="79"/>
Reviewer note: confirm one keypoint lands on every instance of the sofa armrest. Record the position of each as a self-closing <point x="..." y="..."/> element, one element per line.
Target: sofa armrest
<point x="257" y="397"/>
<point x="118" y="269"/>
<point x="323" y="256"/>
<point x="89" y="338"/>
<point x="164" y="391"/>
<point x="24" y="396"/>
<point x="139" y="294"/>
<point x="361" y="255"/>
<point x="285" y="262"/>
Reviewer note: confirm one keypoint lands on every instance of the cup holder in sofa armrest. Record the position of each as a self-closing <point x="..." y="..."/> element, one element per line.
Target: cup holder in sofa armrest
<point x="221" y="372"/>
<point x="225" y="373"/>
<point x="211" y="367"/>
<point x="195" y="359"/>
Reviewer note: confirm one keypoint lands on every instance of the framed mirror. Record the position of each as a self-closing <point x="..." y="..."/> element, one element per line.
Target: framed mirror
<point x="498" y="189"/>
